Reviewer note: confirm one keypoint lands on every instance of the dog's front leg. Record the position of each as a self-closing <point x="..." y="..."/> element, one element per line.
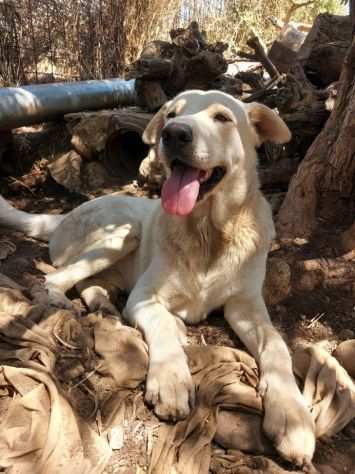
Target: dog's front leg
<point x="287" y="419"/>
<point x="169" y="384"/>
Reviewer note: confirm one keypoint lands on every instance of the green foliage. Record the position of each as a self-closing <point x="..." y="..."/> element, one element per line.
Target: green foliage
<point x="308" y="14"/>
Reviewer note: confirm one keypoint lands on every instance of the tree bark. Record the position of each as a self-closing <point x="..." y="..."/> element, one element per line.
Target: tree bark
<point x="324" y="49"/>
<point x="352" y="13"/>
<point x="282" y="56"/>
<point x="151" y="68"/>
<point x="323" y="190"/>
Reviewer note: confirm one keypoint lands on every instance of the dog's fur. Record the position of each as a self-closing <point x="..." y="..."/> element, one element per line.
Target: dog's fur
<point x="187" y="266"/>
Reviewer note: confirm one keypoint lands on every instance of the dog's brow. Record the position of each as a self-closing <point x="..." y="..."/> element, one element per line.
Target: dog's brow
<point x="215" y="107"/>
<point x="178" y="107"/>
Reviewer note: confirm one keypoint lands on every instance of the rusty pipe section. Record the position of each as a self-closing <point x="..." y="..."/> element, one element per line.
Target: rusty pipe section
<point x="29" y="105"/>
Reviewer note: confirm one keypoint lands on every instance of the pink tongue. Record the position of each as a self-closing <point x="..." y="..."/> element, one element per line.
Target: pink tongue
<point x="180" y="190"/>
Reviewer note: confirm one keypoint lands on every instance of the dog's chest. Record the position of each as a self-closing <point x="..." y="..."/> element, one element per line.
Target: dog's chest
<point x="199" y="292"/>
<point x="205" y="272"/>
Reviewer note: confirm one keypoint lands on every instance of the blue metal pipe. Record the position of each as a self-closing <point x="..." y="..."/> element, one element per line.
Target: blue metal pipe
<point x="29" y="105"/>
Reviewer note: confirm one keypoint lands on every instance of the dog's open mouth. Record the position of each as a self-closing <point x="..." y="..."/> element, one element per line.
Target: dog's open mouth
<point x="186" y="185"/>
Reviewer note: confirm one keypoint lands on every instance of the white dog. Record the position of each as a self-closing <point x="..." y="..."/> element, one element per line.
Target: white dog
<point x="202" y="246"/>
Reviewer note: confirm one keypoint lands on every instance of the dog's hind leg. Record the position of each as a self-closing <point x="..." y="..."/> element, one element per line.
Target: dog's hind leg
<point x="97" y="295"/>
<point x="98" y="258"/>
<point x="60" y="281"/>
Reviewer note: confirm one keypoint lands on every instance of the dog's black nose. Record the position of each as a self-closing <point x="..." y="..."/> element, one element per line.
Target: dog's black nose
<point x="176" y="135"/>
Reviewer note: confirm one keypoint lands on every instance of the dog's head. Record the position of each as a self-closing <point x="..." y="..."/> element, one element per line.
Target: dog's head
<point x="204" y="137"/>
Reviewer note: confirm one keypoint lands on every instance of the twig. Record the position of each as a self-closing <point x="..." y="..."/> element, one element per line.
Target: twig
<point x="315" y="319"/>
<point x="81" y="382"/>
<point x="96" y="401"/>
<point x="203" y="340"/>
<point x="99" y="421"/>
<point x="257" y="95"/>
<point x="64" y="343"/>
<point x="240" y="59"/>
<point x="21" y="183"/>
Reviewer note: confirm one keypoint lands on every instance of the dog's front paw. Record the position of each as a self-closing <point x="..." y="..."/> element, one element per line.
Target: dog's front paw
<point x="170" y="388"/>
<point x="288" y="422"/>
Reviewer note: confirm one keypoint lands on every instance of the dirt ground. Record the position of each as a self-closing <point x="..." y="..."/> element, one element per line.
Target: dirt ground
<point x="324" y="314"/>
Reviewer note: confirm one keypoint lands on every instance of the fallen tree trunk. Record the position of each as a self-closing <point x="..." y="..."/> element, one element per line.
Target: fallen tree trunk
<point x="113" y="135"/>
<point x="324" y="187"/>
<point x="108" y="148"/>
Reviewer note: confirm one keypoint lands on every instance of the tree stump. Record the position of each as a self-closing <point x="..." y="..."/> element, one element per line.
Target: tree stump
<point x="323" y="190"/>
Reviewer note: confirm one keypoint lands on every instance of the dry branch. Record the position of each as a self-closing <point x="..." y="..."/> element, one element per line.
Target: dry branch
<point x="261" y="55"/>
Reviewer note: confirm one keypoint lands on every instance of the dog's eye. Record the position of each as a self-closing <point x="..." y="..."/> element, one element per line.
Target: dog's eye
<point x="171" y="115"/>
<point x="222" y="118"/>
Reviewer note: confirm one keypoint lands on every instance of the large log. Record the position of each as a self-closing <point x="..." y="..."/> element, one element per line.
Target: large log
<point x="282" y="56"/>
<point x="323" y="51"/>
<point x="125" y="148"/>
<point x="113" y="137"/>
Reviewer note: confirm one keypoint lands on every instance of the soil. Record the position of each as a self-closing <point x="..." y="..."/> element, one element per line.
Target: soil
<point x="319" y="315"/>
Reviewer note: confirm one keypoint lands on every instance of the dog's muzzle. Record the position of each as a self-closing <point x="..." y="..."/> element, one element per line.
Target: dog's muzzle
<point x="176" y="137"/>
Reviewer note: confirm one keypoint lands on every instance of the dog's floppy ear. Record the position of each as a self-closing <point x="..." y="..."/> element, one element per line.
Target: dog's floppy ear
<point x="153" y="128"/>
<point x="267" y="124"/>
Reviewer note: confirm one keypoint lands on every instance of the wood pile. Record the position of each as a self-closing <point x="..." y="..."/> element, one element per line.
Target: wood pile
<point x="298" y="79"/>
<point x="303" y="79"/>
<point x="187" y="62"/>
